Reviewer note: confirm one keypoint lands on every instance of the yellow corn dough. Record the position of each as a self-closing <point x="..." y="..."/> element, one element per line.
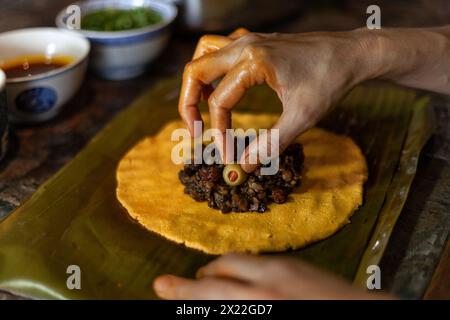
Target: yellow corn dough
<point x="331" y="190"/>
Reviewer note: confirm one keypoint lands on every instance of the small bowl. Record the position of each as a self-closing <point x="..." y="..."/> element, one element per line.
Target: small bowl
<point x="118" y="55"/>
<point x="40" y="97"/>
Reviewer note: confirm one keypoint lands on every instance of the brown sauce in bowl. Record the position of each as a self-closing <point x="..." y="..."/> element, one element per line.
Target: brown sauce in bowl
<point x="28" y="66"/>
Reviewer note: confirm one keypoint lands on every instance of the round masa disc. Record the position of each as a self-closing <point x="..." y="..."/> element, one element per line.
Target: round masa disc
<point x="331" y="190"/>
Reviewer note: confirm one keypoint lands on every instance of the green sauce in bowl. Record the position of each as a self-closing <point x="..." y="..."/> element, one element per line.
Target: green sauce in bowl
<point x="119" y="19"/>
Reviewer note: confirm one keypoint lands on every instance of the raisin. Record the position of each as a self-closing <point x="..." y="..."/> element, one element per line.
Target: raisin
<point x="211" y="202"/>
<point x="278" y="196"/>
<point x="256" y="186"/>
<point x="243" y="205"/>
<point x="206" y="183"/>
<point x="184" y="177"/>
<point x="219" y="199"/>
<point x="286" y="174"/>
<point x="210" y="173"/>
<point x="222" y="190"/>
<point x="254" y="206"/>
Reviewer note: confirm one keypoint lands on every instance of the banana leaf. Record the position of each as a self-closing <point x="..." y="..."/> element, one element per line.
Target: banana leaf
<point x="75" y="219"/>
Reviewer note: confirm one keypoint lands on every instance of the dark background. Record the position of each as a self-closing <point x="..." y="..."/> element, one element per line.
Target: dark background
<point x="417" y="244"/>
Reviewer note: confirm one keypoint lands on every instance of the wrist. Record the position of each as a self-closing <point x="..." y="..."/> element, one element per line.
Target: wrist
<point x="401" y="55"/>
<point x="375" y="58"/>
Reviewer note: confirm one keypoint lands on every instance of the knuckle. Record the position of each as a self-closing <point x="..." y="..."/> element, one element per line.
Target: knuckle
<point x="251" y="37"/>
<point x="182" y="113"/>
<point x="188" y="68"/>
<point x="255" y="52"/>
<point x="252" y="51"/>
<point x="189" y="65"/>
<point x="204" y="40"/>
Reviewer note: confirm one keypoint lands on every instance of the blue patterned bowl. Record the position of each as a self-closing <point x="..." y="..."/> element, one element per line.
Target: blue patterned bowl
<point x="118" y="55"/>
<point x="40" y="97"/>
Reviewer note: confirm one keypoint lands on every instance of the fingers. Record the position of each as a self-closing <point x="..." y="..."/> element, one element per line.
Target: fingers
<point x="227" y="94"/>
<point x="210" y="43"/>
<point x="265" y="147"/>
<point x="197" y="75"/>
<point x="192" y="90"/>
<point x="237" y="266"/>
<point x="239" y="32"/>
<point x="172" y="287"/>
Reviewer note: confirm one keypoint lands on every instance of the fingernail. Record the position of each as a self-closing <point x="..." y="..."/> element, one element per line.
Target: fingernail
<point x="249" y="168"/>
<point x="246" y="165"/>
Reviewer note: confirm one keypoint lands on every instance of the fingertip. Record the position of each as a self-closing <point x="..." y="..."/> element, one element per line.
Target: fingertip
<point x="162" y="286"/>
<point x="172" y="287"/>
<point x="247" y="164"/>
<point x="249" y="168"/>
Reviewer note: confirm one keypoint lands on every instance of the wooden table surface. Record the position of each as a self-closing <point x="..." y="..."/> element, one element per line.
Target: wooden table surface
<point x="414" y="265"/>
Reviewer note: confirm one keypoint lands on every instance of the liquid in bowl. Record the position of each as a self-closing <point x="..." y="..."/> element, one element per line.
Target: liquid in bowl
<point x="27" y="66"/>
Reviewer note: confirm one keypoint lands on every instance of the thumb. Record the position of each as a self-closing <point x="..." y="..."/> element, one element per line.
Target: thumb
<point x="271" y="143"/>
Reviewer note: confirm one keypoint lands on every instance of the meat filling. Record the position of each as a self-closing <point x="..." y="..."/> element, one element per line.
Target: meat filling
<point x="205" y="182"/>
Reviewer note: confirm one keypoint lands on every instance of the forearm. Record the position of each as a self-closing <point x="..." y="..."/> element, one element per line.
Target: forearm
<point x="418" y="58"/>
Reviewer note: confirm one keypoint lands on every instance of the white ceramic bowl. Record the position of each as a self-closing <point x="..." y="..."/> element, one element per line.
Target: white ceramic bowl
<point x="40" y="97"/>
<point x="118" y="55"/>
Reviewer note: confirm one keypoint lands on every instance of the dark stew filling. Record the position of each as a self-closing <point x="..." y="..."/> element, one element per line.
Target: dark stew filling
<point x="205" y="182"/>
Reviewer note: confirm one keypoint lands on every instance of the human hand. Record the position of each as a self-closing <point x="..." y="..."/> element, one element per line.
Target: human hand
<point x="237" y="276"/>
<point x="310" y="72"/>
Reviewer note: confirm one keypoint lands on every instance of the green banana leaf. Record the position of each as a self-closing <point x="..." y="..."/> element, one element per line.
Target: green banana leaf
<point x="75" y="219"/>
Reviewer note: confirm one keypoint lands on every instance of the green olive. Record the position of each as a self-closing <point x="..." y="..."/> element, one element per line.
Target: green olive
<point x="234" y="175"/>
